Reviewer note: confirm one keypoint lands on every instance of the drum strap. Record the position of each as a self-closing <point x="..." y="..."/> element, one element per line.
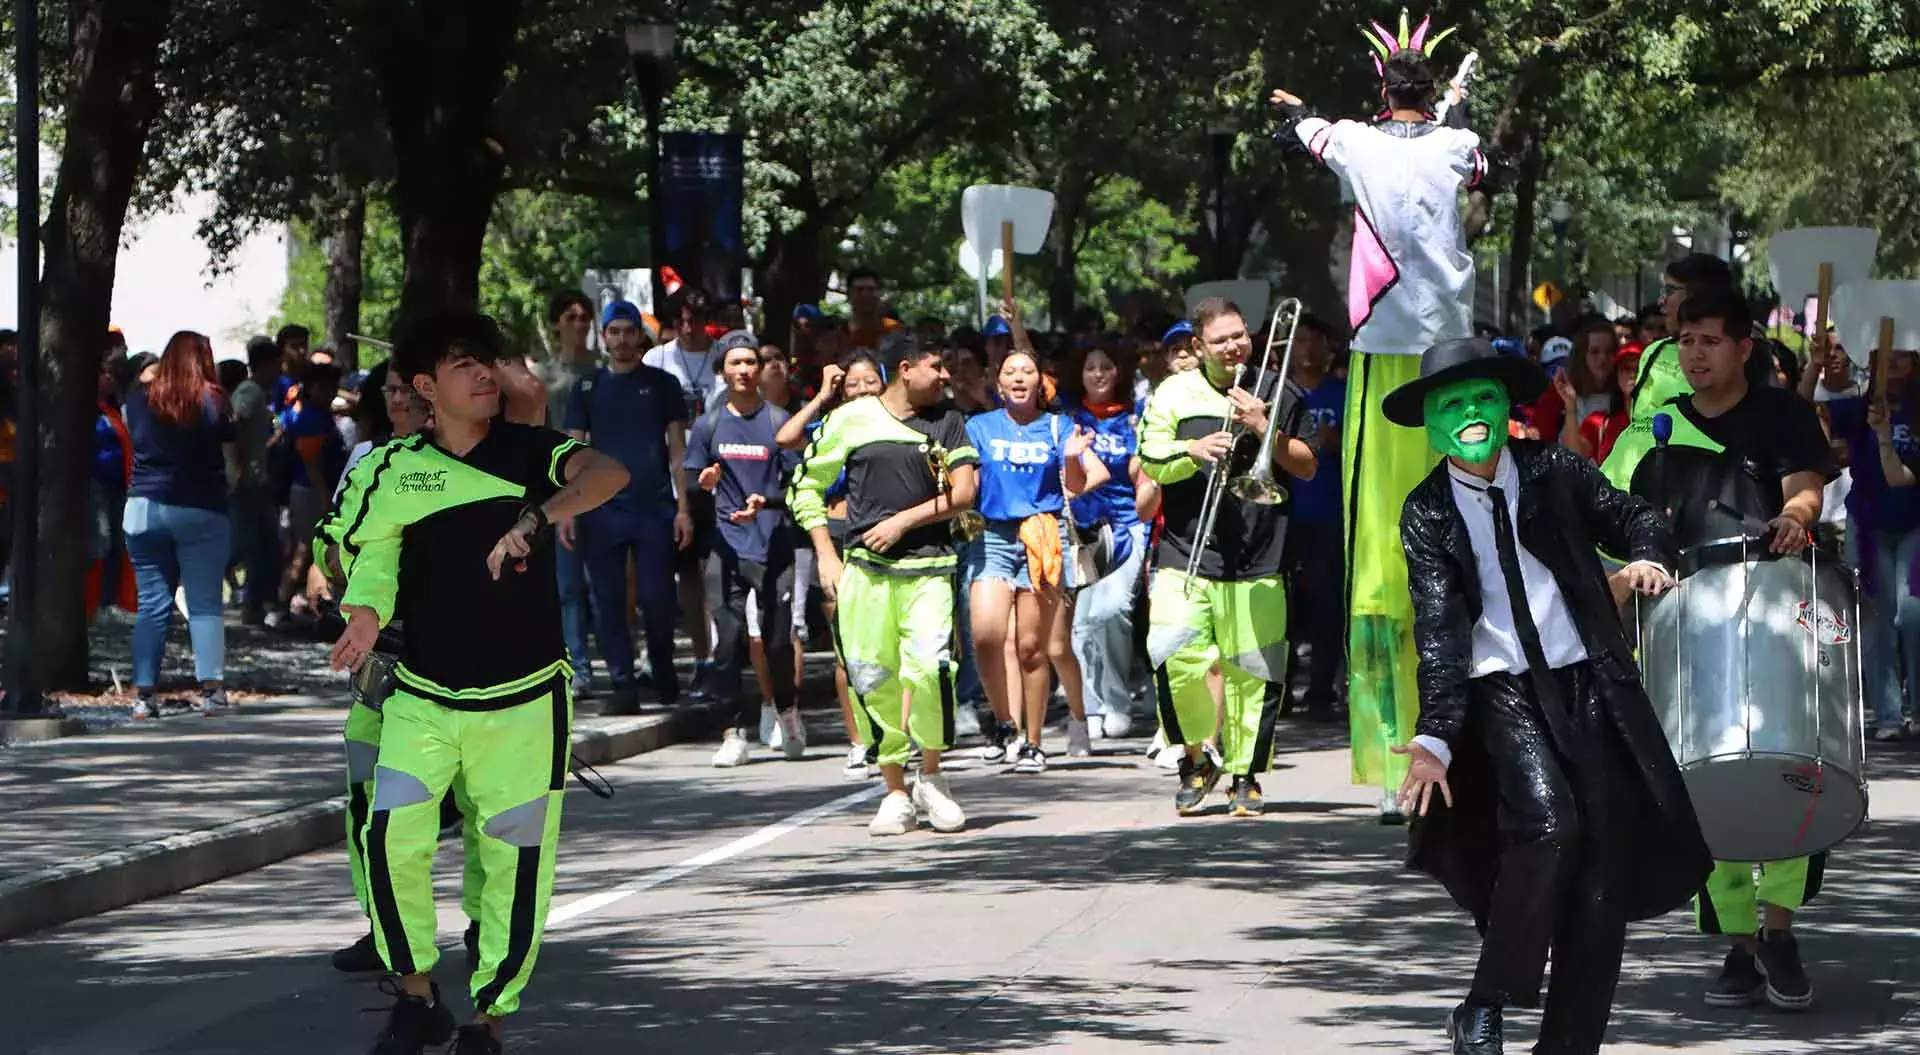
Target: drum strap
<point x="1546" y="688"/>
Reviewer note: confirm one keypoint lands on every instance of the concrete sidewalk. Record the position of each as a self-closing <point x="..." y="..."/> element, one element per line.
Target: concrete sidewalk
<point x="93" y="823"/>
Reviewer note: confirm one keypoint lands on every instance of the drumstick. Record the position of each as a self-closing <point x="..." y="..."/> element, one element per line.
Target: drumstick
<point x="1754" y="524"/>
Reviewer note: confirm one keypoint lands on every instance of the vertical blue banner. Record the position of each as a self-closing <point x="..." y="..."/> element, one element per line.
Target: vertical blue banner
<point x="702" y="184"/>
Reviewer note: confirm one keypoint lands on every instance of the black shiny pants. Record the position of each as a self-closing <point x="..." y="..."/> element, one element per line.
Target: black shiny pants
<point x="1560" y="858"/>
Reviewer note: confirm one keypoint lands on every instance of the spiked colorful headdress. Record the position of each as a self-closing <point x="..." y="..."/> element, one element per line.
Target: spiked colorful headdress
<point x="1387" y="43"/>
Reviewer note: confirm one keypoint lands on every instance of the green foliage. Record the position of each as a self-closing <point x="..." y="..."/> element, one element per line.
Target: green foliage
<point x="538" y="243"/>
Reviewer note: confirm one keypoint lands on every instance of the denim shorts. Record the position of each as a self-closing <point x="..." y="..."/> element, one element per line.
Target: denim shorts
<point x="999" y="554"/>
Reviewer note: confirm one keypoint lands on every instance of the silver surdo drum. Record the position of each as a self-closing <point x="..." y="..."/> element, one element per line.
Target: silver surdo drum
<point x="1753" y="665"/>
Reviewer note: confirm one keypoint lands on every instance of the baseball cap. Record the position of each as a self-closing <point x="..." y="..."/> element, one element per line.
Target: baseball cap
<point x="996" y="327"/>
<point x="809" y="312"/>
<point x="1180" y="329"/>
<point x="622" y="310"/>
<point x="1628" y="351"/>
<point x="736" y="339"/>
<point x="1556" y="349"/>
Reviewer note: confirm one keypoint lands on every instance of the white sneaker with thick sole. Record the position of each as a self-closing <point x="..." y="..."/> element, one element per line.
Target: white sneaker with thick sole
<point x="793" y="735"/>
<point x="1116" y="725"/>
<point x="734" y="750"/>
<point x="1169" y="757"/>
<point x="966" y="720"/>
<point x="895" y="817"/>
<point x="1079" y="739"/>
<point x="932" y="796"/>
<point x="856" y="767"/>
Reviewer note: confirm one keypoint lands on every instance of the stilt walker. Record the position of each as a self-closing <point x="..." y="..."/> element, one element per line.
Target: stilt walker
<point x="1410" y="286"/>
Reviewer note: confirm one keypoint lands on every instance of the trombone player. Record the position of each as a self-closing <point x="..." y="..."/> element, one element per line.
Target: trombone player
<point x="1204" y="439"/>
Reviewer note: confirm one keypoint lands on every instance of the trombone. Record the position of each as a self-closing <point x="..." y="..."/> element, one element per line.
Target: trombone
<point x="1259" y="486"/>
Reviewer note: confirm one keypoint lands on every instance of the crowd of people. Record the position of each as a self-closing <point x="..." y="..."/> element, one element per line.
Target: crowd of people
<point x="1161" y="519"/>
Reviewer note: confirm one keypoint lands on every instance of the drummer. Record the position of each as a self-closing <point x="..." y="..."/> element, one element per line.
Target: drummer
<point x="1750" y="461"/>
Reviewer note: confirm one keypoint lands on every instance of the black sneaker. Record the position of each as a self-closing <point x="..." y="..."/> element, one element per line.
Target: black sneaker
<point x="1740" y="983"/>
<point x="359" y="958"/>
<point x="1196" y="782"/>
<point x="471" y="939"/>
<point x="476" y="1040"/>
<point x="1786" y="980"/>
<point x="413" y="1024"/>
<point x="1244" y="799"/>
<point x="1475" y="1029"/>
<point x="622" y="701"/>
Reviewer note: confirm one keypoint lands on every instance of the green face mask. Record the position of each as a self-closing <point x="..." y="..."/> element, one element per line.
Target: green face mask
<point x="1467" y="420"/>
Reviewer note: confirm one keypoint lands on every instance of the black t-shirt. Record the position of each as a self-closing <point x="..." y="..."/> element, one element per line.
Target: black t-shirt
<point x="1769" y="435"/>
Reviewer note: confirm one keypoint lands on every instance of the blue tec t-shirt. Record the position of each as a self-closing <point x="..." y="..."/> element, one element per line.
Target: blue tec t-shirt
<point x="751" y="463"/>
<point x="1894" y="510"/>
<point x="1019" y="464"/>
<point x="1115" y="442"/>
<point x="1319" y="498"/>
<point x="626" y="417"/>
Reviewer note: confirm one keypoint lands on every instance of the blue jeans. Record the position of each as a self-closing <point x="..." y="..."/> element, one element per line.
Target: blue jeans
<point x="608" y="540"/>
<point x="1103" y="630"/>
<point x="966" y="681"/>
<point x="573" y="606"/>
<point x="1890" y="636"/>
<point x="173" y="546"/>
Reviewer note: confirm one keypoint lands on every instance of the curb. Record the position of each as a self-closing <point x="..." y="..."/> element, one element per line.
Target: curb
<point x="132" y="874"/>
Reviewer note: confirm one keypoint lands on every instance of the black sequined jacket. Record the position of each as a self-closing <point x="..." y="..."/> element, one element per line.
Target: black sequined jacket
<point x="1568" y="514"/>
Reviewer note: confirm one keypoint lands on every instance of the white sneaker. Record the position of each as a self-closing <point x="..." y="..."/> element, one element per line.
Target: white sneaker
<point x="734" y="750"/>
<point x="934" y="798"/>
<point x="1116" y="724"/>
<point x="1158" y="743"/>
<point x="1169" y="757"/>
<point x="791" y="730"/>
<point x="1887" y="734"/>
<point x="142" y="710"/>
<point x="1079" y="739"/>
<point x="769" y="721"/>
<point x="856" y="767"/>
<point x="966" y="720"/>
<point x="1030" y="759"/>
<point x="895" y="817"/>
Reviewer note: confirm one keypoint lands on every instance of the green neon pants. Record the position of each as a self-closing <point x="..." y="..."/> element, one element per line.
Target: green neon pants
<point x="1380" y="464"/>
<point x="363" y="754"/>
<point x="513" y="762"/>
<point x="896" y="640"/>
<point x="1195" y="624"/>
<point x="1731" y="902"/>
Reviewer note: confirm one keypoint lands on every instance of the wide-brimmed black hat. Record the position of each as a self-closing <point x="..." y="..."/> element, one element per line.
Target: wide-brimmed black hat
<point x="1464" y="359"/>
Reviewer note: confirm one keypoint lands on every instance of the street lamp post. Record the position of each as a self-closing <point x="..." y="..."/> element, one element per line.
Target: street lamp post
<point x="1562" y="216"/>
<point x="1221" y="133"/>
<point x="651" y="44"/>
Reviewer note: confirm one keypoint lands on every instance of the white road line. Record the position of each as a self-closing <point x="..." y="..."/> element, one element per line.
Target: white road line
<point x="574" y="910"/>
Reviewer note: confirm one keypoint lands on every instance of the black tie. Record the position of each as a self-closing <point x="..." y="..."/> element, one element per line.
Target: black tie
<point x="1544" y="684"/>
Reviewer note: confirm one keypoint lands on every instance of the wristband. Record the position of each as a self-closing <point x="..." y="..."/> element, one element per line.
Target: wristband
<point x="538" y="514"/>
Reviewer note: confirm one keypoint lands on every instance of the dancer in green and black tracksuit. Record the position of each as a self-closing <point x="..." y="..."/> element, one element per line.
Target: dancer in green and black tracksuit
<point x="1234" y="612"/>
<point x="440" y="530"/>
<point x="909" y="468"/>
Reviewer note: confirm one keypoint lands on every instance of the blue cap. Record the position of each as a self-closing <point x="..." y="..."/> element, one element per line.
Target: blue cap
<point x="996" y="327"/>
<point x="1183" y="328"/>
<point x="809" y="312"/>
<point x="622" y="310"/>
<point x="1509" y="346"/>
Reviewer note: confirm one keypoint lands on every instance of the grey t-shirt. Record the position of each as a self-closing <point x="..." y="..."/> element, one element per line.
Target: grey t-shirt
<point x="252" y="430"/>
<point x="560" y="377"/>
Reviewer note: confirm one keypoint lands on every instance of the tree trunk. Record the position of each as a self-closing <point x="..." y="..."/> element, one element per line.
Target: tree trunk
<point x="1513" y="131"/>
<point x="341" y="296"/>
<point x="1070" y="192"/>
<point x="110" y="103"/>
<point x="441" y="65"/>
<point x="1526" y="196"/>
<point x="793" y="272"/>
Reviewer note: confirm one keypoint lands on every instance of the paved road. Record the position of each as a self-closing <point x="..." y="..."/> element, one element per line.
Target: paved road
<point x="749" y="912"/>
